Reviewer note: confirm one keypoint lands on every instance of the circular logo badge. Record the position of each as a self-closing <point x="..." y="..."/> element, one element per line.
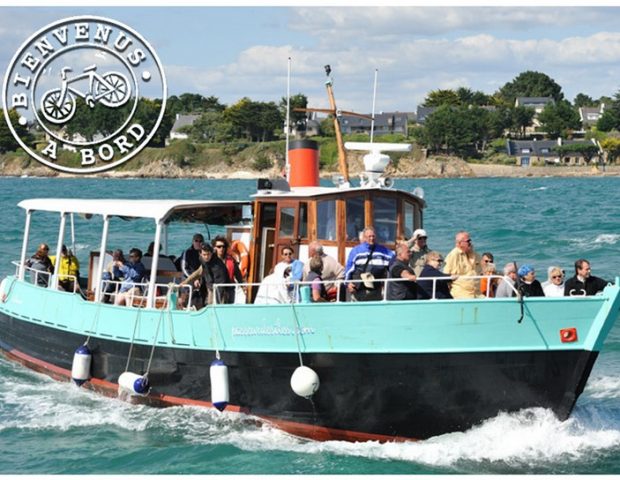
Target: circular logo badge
<point x="90" y="92"/>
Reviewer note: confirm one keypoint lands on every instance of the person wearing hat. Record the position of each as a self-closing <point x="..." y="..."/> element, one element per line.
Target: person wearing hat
<point x="189" y="261"/>
<point x="419" y="249"/>
<point x="529" y="286"/>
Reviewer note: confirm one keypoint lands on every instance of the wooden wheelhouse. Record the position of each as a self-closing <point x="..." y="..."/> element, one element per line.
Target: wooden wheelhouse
<point x="285" y="216"/>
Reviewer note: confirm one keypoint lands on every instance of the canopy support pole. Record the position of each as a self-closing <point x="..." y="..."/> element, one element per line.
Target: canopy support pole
<point x="61" y="236"/>
<point x="22" y="259"/>
<point x="98" y="280"/>
<point x="150" y="301"/>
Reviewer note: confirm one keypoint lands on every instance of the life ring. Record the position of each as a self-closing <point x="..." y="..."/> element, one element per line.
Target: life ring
<point x="240" y="252"/>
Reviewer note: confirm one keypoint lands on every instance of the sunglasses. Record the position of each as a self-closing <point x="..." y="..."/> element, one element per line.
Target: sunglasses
<point x="557" y="276"/>
<point x="287" y="254"/>
<point x="220" y="246"/>
<point x="466" y="241"/>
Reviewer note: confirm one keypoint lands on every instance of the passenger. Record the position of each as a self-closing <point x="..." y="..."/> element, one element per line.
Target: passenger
<point x="231" y="270"/>
<point x="419" y="250"/>
<point x="463" y="261"/>
<point x="201" y="280"/>
<point x="505" y="286"/>
<point x="274" y="287"/>
<point x="529" y="286"/>
<point x="68" y="270"/>
<point x="150" y="249"/>
<point x="367" y="261"/>
<point x="432" y="269"/>
<point x="112" y="274"/>
<point x="583" y="283"/>
<point x="554" y="286"/>
<point x="332" y="270"/>
<point x="405" y="289"/>
<point x="41" y="266"/>
<point x="133" y="272"/>
<point x="490" y="284"/>
<point x="189" y="260"/>
<point x="317" y="287"/>
<point x="297" y="266"/>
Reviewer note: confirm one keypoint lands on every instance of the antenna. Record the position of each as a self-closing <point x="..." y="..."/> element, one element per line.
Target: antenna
<point x="287" y="167"/>
<point x="374" y="98"/>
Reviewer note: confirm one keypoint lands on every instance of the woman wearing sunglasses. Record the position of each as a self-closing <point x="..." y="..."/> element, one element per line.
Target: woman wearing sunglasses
<point x="554" y="286"/>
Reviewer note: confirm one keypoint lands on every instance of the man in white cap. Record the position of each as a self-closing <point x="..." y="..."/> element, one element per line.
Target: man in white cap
<point x="419" y="249"/>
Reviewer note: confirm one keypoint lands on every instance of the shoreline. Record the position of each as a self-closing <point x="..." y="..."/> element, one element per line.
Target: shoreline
<point x="429" y="169"/>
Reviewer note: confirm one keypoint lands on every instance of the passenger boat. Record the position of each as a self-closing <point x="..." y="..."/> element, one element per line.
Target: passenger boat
<point x="385" y="370"/>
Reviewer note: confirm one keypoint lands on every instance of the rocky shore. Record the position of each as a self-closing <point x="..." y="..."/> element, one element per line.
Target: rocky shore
<point x="432" y="167"/>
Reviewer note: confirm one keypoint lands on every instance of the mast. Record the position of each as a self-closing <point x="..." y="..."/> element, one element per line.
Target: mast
<point x="342" y="155"/>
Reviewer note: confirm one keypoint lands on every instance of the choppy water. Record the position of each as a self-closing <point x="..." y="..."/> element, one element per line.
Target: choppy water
<point x="50" y="427"/>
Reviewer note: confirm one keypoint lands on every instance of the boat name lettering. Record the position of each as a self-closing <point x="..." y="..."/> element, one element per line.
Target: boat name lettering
<point x="270" y="331"/>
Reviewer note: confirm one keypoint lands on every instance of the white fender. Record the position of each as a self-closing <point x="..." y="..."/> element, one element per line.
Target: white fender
<point x="3" y="284"/>
<point x="218" y="374"/>
<point x="304" y="381"/>
<point x="134" y="384"/>
<point x="80" y="369"/>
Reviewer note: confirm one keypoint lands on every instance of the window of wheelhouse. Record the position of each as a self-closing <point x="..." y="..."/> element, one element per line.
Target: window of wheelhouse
<point x="408" y="219"/>
<point x="326" y="220"/>
<point x="354" y="207"/>
<point x="287" y="221"/>
<point x="385" y="218"/>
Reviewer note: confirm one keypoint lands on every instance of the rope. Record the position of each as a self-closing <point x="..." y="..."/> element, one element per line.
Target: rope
<point x="133" y="336"/>
<point x="148" y="367"/>
<point x="296" y="326"/>
<point x="92" y="325"/>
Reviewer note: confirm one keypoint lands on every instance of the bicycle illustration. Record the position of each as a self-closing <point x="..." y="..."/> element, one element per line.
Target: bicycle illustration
<point x="111" y="89"/>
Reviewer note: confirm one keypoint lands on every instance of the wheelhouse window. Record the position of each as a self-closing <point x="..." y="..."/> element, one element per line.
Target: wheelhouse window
<point x="326" y="220"/>
<point x="287" y="222"/>
<point x="408" y="219"/>
<point x="303" y="220"/>
<point x="385" y="219"/>
<point x="355" y="217"/>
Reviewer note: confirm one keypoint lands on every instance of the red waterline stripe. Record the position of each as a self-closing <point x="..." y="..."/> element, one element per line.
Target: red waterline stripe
<point x="314" y="432"/>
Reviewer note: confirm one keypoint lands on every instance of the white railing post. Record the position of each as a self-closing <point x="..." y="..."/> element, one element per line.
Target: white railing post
<point x="98" y="280"/>
<point x="61" y="236"/>
<point x="22" y="260"/>
<point x="150" y="301"/>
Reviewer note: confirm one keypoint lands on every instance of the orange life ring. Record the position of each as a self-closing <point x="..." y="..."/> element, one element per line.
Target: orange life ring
<point x="240" y="252"/>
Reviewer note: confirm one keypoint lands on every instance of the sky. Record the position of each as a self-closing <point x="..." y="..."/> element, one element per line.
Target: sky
<point x="242" y="51"/>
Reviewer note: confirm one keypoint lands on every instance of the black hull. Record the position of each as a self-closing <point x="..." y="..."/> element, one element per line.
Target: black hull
<point x="361" y="396"/>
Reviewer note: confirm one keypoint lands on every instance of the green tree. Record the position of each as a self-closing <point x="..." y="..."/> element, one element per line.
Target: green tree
<point x="327" y="127"/>
<point x="469" y="97"/>
<point x="437" y="98"/>
<point x="607" y="122"/>
<point x="7" y="140"/>
<point x="611" y="146"/>
<point x="530" y="84"/>
<point x="298" y="119"/>
<point x="253" y="121"/>
<point x="583" y="100"/>
<point x="521" y="118"/>
<point x="559" y="118"/>
<point x="587" y="150"/>
<point x="193" y="103"/>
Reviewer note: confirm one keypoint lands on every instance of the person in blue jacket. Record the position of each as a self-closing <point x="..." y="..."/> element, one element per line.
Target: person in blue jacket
<point x="367" y="261"/>
<point x="133" y="273"/>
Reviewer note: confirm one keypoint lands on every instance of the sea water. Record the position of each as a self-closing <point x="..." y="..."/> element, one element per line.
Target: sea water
<point x="56" y="428"/>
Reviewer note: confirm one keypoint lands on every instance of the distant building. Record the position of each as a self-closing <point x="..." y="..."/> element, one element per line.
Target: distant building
<point x="180" y="122"/>
<point x="541" y="152"/>
<point x="385" y="123"/>
<point x="590" y="115"/>
<point x="538" y="104"/>
<point x="422" y="113"/>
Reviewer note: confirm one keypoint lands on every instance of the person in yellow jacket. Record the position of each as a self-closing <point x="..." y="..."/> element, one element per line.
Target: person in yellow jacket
<point x="68" y="271"/>
<point x="463" y="261"/>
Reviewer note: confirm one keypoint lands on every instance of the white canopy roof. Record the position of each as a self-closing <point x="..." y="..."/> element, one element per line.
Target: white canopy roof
<point x="155" y="209"/>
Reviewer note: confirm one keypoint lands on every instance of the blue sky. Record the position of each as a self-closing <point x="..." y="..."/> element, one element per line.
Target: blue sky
<point x="232" y="52"/>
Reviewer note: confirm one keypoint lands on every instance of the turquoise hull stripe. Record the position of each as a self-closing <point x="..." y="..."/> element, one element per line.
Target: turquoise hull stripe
<point x="373" y="327"/>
